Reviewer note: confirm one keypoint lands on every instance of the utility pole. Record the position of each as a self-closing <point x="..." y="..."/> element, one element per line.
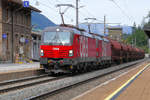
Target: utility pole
<point x="89" y="26"/>
<point x="132" y="42"/>
<point x="77" y="13"/>
<point x="104" y="25"/>
<point x="12" y="34"/>
<point x="135" y="41"/>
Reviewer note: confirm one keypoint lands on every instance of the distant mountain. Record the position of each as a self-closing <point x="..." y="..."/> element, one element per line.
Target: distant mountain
<point x="40" y="21"/>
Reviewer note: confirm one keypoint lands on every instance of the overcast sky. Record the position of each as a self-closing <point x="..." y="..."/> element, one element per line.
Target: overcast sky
<point x="127" y="12"/>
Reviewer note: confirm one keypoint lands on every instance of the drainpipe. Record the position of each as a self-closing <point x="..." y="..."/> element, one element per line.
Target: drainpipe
<point x="12" y="34"/>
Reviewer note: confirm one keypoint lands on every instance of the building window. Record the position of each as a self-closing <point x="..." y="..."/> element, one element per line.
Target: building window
<point x="21" y="18"/>
<point x="15" y="18"/>
<point x="7" y="41"/>
<point x="7" y="14"/>
<point x="24" y="19"/>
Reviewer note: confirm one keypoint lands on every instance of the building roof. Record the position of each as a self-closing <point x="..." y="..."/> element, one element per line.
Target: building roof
<point x="114" y="28"/>
<point x="36" y="33"/>
<point x="16" y="1"/>
<point x="20" y="3"/>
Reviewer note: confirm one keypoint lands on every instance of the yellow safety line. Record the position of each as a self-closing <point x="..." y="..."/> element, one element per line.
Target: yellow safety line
<point x="125" y="84"/>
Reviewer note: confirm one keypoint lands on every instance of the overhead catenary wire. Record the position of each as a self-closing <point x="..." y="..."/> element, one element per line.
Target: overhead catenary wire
<point x="84" y="14"/>
<point x="58" y="2"/>
<point x="92" y="15"/>
<point x="121" y="10"/>
<point x="50" y="8"/>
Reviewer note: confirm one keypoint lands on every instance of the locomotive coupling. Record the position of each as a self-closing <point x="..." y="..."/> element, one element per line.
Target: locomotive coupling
<point x="55" y="62"/>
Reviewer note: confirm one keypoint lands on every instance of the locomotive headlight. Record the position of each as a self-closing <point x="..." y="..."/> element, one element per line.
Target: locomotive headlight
<point x="70" y="53"/>
<point x="42" y="53"/>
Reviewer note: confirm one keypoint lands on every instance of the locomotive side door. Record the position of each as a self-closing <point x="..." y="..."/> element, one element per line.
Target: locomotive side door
<point x="83" y="47"/>
<point x="97" y="47"/>
<point x="104" y="49"/>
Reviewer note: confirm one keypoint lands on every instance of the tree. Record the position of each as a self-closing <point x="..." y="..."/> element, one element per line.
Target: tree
<point x="134" y="25"/>
<point x="143" y="22"/>
<point x="139" y="38"/>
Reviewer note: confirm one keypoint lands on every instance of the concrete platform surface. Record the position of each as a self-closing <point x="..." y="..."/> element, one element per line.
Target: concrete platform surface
<point x="139" y="89"/>
<point x="17" y="71"/>
<point x="15" y="67"/>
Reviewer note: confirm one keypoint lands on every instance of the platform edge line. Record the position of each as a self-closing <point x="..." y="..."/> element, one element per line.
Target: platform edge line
<point x="120" y="89"/>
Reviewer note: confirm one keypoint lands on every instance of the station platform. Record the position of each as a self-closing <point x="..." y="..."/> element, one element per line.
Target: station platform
<point x="131" y="85"/>
<point x="15" y="71"/>
<point x="17" y="67"/>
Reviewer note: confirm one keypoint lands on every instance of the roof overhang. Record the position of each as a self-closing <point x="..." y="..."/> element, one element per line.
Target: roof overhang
<point x="114" y="28"/>
<point x="147" y="31"/>
<point x="21" y="3"/>
<point x="36" y="33"/>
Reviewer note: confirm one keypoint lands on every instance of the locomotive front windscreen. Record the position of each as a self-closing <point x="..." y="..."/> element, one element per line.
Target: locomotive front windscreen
<point x="57" y="38"/>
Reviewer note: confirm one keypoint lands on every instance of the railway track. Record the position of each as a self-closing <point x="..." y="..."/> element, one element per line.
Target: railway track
<point x="13" y="85"/>
<point x="22" y="79"/>
<point x="48" y="94"/>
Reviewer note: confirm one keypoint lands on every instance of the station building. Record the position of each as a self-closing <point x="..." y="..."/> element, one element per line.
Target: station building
<point x="115" y="33"/>
<point x="15" y="31"/>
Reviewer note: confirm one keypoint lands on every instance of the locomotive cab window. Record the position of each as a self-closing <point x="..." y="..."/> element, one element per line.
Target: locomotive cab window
<point x="58" y="38"/>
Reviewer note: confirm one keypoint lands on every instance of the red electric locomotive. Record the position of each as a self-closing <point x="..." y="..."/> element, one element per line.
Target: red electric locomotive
<point x="70" y="49"/>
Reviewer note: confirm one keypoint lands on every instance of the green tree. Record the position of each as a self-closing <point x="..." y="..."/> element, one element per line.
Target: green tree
<point x="139" y="39"/>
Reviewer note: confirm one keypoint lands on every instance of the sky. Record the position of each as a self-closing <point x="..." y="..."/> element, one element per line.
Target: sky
<point x="124" y="12"/>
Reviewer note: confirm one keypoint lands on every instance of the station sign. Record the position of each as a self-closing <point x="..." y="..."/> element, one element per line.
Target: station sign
<point x="26" y="4"/>
<point x="4" y="35"/>
<point x="26" y="41"/>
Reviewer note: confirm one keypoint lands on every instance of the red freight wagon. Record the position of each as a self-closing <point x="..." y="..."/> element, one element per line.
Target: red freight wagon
<point x="116" y="51"/>
<point x="124" y="47"/>
<point x="124" y="52"/>
<point x="142" y="54"/>
<point x="137" y="53"/>
<point x="130" y="53"/>
<point x="134" y="53"/>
